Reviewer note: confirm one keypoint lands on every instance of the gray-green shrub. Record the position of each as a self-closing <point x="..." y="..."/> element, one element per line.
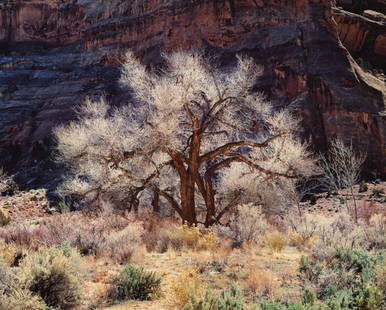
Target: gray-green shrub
<point x="135" y="283"/>
<point x="52" y="274"/>
<point x="230" y="299"/>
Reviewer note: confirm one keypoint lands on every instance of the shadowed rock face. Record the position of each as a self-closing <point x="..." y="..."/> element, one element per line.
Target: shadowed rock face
<point x="54" y="55"/>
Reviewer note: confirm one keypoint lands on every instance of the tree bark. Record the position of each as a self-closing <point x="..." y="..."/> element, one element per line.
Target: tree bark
<point x="155" y="202"/>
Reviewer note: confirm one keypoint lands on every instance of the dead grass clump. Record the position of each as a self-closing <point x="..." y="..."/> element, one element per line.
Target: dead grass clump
<point x="302" y="231"/>
<point x="4" y="219"/>
<point x="186" y="237"/>
<point x="260" y="282"/>
<point x="20" y="234"/>
<point x="222" y="251"/>
<point x="301" y="241"/>
<point x="275" y="241"/>
<point x="375" y="233"/>
<point x="10" y="254"/>
<point x="188" y="283"/>
<point x="153" y="225"/>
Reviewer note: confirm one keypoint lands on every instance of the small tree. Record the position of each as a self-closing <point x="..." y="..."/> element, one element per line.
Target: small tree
<point x="196" y="137"/>
<point x="341" y="168"/>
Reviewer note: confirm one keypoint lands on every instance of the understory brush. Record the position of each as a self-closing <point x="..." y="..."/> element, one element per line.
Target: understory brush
<point x="322" y="236"/>
<point x="347" y="280"/>
<point x="110" y="236"/>
<point x="186" y="237"/>
<point x="247" y="224"/>
<point x="230" y="299"/>
<point x="135" y="283"/>
<point x="47" y="279"/>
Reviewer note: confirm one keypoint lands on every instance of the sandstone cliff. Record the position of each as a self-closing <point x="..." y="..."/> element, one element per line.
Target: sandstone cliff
<point x="53" y="55"/>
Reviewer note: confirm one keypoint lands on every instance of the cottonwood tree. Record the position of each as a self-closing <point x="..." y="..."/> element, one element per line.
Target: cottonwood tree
<point x="341" y="168"/>
<point x="197" y="137"/>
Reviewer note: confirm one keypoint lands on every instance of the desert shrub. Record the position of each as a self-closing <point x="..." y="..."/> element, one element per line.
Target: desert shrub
<point x="10" y="254"/>
<point x="275" y="305"/>
<point x="310" y="268"/>
<point x="260" y="282"/>
<point x="21" y="299"/>
<point x="52" y="274"/>
<point x="308" y="298"/>
<point x="380" y="277"/>
<point x="121" y="246"/>
<point x="86" y="233"/>
<point x="13" y="295"/>
<point x="377" y="192"/>
<point x="188" y="283"/>
<point x="7" y="184"/>
<point x="348" y="280"/>
<point x="375" y="234"/>
<point x="370" y="298"/>
<point x="178" y="237"/>
<point x="302" y="231"/>
<point x="247" y="224"/>
<point x="20" y="234"/>
<point x="230" y="299"/>
<point x="135" y="283"/>
<point x="337" y="232"/>
<point x="4" y="220"/>
<point x="275" y="241"/>
<point x="363" y="187"/>
<point x="301" y="241"/>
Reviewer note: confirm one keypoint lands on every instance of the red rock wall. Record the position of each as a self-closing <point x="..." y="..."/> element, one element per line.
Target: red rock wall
<point x="296" y="41"/>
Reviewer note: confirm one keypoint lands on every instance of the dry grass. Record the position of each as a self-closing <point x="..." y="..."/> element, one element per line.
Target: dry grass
<point x="181" y="287"/>
<point x="276" y="241"/>
<point x="195" y="258"/>
<point x="301" y="241"/>
<point x="9" y="253"/>
<point x="186" y="237"/>
<point x="261" y="282"/>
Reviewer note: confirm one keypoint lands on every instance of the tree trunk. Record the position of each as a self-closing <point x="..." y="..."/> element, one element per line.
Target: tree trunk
<point x="209" y="201"/>
<point x="187" y="183"/>
<point x="187" y="200"/>
<point x="155" y="202"/>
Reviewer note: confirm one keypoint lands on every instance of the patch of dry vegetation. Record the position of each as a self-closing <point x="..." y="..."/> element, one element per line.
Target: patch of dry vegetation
<point x="192" y="261"/>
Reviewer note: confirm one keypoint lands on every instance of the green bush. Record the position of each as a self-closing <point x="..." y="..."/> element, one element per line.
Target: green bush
<point x="308" y="298"/>
<point x="363" y="187"/>
<point x="51" y="275"/>
<point x="135" y="283"/>
<point x="310" y="269"/>
<point x="371" y="298"/>
<point x="274" y="305"/>
<point x="377" y="193"/>
<point x="359" y="261"/>
<point x="346" y="281"/>
<point x="230" y="299"/>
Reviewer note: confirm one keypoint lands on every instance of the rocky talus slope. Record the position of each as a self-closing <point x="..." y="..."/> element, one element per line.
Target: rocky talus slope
<point x="54" y="54"/>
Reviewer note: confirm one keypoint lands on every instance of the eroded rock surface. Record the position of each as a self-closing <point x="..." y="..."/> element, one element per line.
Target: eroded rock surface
<point x="53" y="55"/>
